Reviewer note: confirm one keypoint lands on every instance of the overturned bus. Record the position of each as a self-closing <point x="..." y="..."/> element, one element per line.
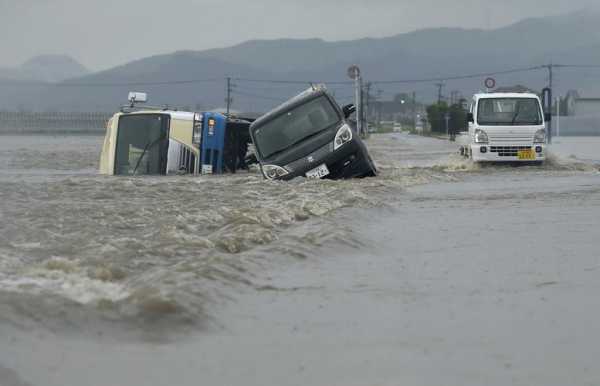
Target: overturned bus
<point x="160" y="141"/>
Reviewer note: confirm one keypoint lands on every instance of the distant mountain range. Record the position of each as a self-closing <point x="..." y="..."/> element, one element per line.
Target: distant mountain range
<point x="45" y="68"/>
<point x="430" y="53"/>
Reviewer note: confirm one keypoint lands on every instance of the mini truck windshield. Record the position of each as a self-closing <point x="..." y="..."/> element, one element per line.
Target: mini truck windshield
<point x="509" y="112"/>
<point x="295" y="125"/>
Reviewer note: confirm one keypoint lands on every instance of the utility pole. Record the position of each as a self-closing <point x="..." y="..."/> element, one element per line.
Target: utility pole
<point x="414" y="109"/>
<point x="228" y="100"/>
<point x="454" y="98"/>
<point x="363" y="110"/>
<point x="380" y="108"/>
<point x="355" y="75"/>
<point x="550" y="68"/>
<point x="357" y="103"/>
<point x="551" y="80"/>
<point x="440" y="87"/>
<point x="558" y="116"/>
<point x="359" y="107"/>
<point x="368" y="87"/>
<point x="447" y="119"/>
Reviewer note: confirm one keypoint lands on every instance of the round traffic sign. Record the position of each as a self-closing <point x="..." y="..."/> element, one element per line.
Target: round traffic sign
<point x="490" y="83"/>
<point x="353" y="72"/>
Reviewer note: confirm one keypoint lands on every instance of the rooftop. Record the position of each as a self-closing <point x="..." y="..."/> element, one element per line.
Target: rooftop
<point x="505" y="95"/>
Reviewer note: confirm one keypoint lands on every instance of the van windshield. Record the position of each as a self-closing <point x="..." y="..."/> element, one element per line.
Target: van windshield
<point x="509" y="112"/>
<point x="142" y="144"/>
<point x="294" y="126"/>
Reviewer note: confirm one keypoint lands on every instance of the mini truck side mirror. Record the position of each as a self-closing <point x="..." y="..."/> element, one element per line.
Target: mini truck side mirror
<point x="547" y="117"/>
<point x="348" y="110"/>
<point x="470" y="118"/>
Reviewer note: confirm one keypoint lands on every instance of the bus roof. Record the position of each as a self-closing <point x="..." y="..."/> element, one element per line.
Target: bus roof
<point x="179" y="115"/>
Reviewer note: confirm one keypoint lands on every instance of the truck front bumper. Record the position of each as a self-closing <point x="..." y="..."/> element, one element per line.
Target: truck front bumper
<point x="508" y="152"/>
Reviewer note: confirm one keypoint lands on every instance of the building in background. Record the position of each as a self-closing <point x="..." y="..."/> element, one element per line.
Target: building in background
<point x="569" y="102"/>
<point x="403" y="110"/>
<point x="587" y="106"/>
<point x="579" y="115"/>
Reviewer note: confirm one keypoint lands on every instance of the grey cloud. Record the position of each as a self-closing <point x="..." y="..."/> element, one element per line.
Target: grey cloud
<point x="109" y="32"/>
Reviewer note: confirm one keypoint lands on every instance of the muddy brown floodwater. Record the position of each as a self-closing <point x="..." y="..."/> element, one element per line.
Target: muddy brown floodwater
<point x="438" y="271"/>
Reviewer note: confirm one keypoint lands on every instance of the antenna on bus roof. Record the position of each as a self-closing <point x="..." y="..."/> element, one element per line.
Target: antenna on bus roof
<point x="137" y="97"/>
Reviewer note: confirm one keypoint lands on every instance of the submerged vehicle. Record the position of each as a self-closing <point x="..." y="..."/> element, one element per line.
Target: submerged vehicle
<point x="160" y="141"/>
<point x="310" y="136"/>
<point x="506" y="127"/>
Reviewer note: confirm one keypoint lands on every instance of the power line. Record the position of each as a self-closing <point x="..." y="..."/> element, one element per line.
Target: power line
<point x="264" y="88"/>
<point x="576" y="65"/>
<point x="276" y="81"/>
<point x="293" y="82"/>
<point x="252" y="95"/>
<point x="459" y="77"/>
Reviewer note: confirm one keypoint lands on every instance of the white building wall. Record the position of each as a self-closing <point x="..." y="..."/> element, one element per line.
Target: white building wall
<point x="587" y="106"/>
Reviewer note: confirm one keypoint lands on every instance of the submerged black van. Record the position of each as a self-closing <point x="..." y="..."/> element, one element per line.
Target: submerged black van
<point x="310" y="136"/>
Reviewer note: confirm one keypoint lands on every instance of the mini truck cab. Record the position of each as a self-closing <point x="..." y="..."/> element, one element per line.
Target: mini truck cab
<point x="310" y="136"/>
<point x="506" y="127"/>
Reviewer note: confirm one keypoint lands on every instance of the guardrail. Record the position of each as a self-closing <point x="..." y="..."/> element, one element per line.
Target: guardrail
<point x="12" y="122"/>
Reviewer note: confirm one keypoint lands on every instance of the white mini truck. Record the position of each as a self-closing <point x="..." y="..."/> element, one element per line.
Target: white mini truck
<point x="506" y="127"/>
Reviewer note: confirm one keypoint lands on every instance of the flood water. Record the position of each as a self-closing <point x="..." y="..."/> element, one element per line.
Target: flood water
<point x="223" y="274"/>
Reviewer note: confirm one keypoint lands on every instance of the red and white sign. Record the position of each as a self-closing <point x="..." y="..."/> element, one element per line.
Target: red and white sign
<point x="353" y="72"/>
<point x="490" y="83"/>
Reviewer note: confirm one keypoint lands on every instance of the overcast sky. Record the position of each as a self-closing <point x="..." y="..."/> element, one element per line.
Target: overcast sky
<point x="104" y="33"/>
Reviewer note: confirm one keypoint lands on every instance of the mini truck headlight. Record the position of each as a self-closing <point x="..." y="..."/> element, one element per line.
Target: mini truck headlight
<point x="540" y="136"/>
<point x="273" y="172"/>
<point x="481" y="136"/>
<point x="343" y="136"/>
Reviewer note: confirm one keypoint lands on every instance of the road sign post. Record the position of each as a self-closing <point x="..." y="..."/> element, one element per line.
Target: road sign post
<point x="354" y="74"/>
<point x="490" y="83"/>
<point x="547" y="104"/>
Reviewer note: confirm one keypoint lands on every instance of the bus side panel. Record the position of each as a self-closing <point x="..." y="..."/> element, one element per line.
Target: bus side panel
<point x="107" y="157"/>
<point x="181" y="132"/>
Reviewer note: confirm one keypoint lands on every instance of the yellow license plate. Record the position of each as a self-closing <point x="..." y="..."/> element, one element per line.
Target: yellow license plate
<point x="527" y="154"/>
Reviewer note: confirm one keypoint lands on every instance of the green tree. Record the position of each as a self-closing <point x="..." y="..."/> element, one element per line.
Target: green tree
<point x="458" y="118"/>
<point x="436" y="115"/>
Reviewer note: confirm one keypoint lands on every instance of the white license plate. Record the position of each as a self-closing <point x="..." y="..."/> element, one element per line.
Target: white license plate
<point x="318" y="172"/>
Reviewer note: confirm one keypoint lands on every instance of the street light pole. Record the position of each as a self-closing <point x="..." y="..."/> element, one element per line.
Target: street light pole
<point x="354" y="74"/>
<point x="358" y="102"/>
<point x="550" y="68"/>
<point x="228" y="100"/>
<point x="447" y="118"/>
<point x="558" y="116"/>
<point x="368" y="105"/>
<point x="414" y="110"/>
